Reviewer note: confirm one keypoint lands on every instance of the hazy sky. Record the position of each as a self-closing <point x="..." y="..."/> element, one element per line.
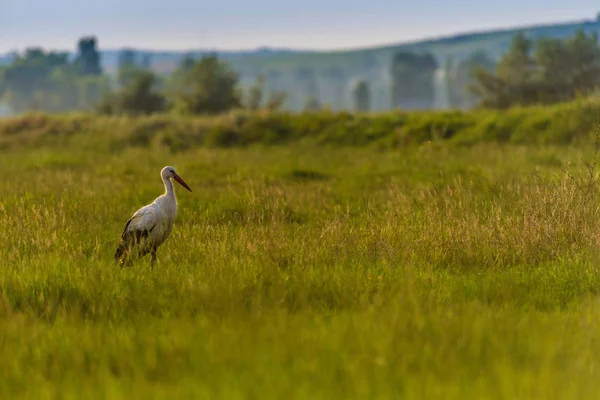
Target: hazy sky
<point x="245" y="24"/>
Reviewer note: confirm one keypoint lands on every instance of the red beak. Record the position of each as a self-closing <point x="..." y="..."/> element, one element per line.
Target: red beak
<point x="181" y="182"/>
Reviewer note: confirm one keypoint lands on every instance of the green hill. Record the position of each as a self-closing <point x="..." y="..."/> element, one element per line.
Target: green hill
<point x="494" y="42"/>
<point x="373" y="64"/>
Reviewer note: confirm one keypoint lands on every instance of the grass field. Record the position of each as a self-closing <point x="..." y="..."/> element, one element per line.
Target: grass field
<point x="303" y="271"/>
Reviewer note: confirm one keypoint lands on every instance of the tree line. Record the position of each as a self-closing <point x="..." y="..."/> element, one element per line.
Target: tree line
<point x="49" y="81"/>
<point x="539" y="71"/>
<point x="542" y="71"/>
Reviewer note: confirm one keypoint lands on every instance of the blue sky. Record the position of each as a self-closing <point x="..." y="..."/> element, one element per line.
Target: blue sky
<point x="246" y="24"/>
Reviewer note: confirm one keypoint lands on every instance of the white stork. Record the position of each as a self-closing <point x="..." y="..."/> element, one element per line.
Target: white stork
<point x="150" y="226"/>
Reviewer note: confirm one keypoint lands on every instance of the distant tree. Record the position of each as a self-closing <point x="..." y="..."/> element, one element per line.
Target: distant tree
<point x="48" y="81"/>
<point x="553" y="70"/>
<point x="362" y="96"/>
<point x="176" y="83"/>
<point x="127" y="68"/>
<point x="307" y="80"/>
<point x="37" y="80"/>
<point x="584" y="54"/>
<point x="126" y="73"/>
<point x="413" y="80"/>
<point x="512" y="81"/>
<point x="88" y="57"/>
<point x="138" y="97"/>
<point x="337" y="78"/>
<point x="187" y="63"/>
<point x="206" y="86"/>
<point x="276" y="100"/>
<point x="127" y="58"/>
<point x="91" y="90"/>
<point x="518" y="66"/>
<point x="257" y="99"/>
<point x="557" y="70"/>
<point x="256" y="94"/>
<point x="459" y="77"/>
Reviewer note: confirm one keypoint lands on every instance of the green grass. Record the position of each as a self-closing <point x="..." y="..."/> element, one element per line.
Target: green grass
<point x="299" y="271"/>
<point x="567" y="123"/>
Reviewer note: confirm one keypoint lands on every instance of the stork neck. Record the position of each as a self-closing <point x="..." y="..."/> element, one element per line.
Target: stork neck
<point x="169" y="191"/>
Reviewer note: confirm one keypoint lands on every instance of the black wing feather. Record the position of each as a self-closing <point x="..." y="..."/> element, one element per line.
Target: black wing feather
<point x="129" y="239"/>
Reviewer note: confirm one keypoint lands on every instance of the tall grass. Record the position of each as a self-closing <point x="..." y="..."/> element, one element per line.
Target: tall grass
<point x="568" y="123"/>
<point x="432" y="271"/>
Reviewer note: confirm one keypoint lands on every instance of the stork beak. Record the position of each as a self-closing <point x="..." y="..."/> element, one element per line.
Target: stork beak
<point x="181" y="182"/>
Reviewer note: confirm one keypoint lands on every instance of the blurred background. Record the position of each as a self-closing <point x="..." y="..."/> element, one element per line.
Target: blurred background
<point x="182" y="56"/>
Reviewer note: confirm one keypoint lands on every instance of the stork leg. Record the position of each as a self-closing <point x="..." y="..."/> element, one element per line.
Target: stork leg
<point x="153" y="259"/>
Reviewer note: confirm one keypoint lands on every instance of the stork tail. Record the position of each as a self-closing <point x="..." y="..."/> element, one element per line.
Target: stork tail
<point x="129" y="240"/>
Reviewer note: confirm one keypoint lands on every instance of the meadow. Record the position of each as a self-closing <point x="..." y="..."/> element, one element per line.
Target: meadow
<point x="300" y="269"/>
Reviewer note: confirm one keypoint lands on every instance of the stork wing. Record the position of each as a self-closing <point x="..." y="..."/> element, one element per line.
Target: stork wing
<point x="138" y="228"/>
<point x="141" y="223"/>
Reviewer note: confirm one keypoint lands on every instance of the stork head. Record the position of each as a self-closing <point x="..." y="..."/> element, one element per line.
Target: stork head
<point x="168" y="172"/>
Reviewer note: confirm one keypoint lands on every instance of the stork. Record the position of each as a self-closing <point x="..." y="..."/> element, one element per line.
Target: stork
<point x="151" y="225"/>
